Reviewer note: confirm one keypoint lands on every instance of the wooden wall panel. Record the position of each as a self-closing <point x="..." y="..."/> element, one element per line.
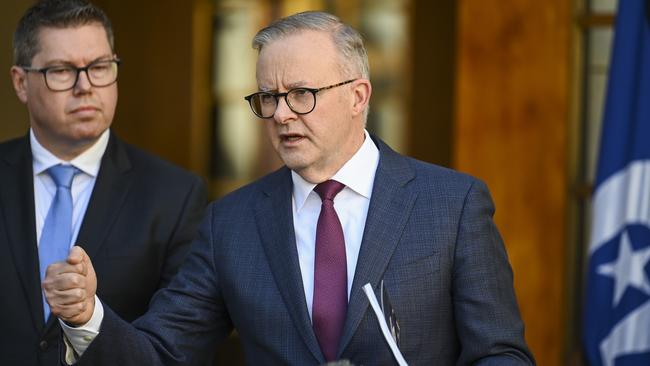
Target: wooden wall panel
<point x="15" y="120"/>
<point x="431" y="107"/>
<point x="164" y="91"/>
<point x="512" y="111"/>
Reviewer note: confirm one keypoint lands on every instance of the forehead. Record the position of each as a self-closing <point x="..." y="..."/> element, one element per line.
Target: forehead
<point x="82" y="43"/>
<point x="303" y="58"/>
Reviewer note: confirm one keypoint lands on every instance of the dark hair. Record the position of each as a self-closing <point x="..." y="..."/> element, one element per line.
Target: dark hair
<point x="55" y="14"/>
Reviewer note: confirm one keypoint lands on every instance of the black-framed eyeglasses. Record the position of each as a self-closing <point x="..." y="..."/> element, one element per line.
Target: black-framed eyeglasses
<point x="299" y="100"/>
<point x="64" y="77"/>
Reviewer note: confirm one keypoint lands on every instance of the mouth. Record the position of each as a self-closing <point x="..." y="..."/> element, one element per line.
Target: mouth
<point x="291" y="138"/>
<point x="85" y="113"/>
<point x="84" y="109"/>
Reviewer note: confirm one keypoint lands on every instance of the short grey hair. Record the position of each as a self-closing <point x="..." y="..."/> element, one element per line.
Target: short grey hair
<point x="348" y="42"/>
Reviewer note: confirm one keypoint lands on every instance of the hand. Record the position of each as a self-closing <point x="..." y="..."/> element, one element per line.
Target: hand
<point x="70" y="288"/>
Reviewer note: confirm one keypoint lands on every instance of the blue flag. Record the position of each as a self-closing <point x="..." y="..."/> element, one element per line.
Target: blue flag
<point x="617" y="303"/>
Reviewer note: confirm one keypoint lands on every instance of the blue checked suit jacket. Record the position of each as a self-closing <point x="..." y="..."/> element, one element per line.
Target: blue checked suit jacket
<point x="429" y="236"/>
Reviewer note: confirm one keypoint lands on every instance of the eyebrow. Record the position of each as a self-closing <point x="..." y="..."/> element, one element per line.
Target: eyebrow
<point x="293" y="85"/>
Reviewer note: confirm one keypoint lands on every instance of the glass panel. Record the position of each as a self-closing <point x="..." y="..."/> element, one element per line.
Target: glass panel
<point x="384" y="25"/>
<point x="236" y="131"/>
<point x="600" y="40"/>
<point x="603" y="6"/>
<point x="596" y="94"/>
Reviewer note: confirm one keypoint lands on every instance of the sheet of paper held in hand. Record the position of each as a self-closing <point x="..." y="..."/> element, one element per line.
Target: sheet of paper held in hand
<point x="367" y="288"/>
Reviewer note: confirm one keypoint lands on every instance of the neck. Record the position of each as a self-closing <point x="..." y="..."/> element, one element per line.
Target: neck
<point x="315" y="175"/>
<point x="319" y="174"/>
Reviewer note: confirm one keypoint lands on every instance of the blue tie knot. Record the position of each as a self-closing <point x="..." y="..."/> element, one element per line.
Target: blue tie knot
<point x="62" y="175"/>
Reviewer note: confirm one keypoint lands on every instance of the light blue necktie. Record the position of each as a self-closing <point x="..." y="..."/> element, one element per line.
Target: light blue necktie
<point x="57" y="230"/>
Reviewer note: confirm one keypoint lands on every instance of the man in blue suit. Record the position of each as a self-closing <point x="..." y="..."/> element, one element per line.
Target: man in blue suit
<point x="284" y="260"/>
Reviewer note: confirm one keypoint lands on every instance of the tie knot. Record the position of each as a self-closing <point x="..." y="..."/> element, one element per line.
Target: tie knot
<point x="328" y="189"/>
<point x="62" y="175"/>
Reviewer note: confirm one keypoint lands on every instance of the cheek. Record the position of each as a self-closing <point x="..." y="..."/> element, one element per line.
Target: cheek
<point x="269" y="127"/>
<point x="49" y="106"/>
<point x="324" y="129"/>
<point x="109" y="99"/>
<point x="110" y="107"/>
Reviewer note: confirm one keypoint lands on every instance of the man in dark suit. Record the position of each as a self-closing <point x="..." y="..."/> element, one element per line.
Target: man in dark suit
<point x="134" y="213"/>
<point x="287" y="259"/>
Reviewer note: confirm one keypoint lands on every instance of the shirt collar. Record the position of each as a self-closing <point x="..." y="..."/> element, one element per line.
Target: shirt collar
<point x="88" y="162"/>
<point x="357" y="174"/>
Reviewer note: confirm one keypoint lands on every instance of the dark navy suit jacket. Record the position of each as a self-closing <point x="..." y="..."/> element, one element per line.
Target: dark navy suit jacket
<point x="429" y="236"/>
<point x="141" y="218"/>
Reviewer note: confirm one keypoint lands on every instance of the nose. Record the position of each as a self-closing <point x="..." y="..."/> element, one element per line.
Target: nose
<point x="83" y="84"/>
<point x="283" y="114"/>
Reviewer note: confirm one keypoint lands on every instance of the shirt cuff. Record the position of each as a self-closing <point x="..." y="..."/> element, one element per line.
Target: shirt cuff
<point x="81" y="337"/>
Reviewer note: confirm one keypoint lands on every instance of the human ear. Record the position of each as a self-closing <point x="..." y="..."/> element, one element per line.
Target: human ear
<point x="19" y="81"/>
<point x="361" y="91"/>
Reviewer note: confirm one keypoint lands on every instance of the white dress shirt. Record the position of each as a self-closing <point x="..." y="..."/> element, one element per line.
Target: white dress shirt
<point x="83" y="183"/>
<point x="351" y="205"/>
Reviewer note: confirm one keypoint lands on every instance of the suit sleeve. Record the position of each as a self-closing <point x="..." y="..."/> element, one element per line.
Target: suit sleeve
<point x="185" y="319"/>
<point x="186" y="226"/>
<point x="487" y="316"/>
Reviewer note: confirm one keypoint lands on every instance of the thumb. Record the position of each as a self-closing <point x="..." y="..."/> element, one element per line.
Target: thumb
<point x="78" y="257"/>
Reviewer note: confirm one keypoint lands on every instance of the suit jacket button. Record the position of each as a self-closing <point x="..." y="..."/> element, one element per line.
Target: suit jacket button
<point x="43" y="345"/>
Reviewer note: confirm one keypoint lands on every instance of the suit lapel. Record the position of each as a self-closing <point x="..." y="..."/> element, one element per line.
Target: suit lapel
<point x="275" y="221"/>
<point x="17" y="204"/>
<point x="390" y="206"/>
<point x="109" y="194"/>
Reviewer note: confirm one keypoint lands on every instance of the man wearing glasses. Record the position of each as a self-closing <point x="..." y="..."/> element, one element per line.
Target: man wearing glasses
<point x="70" y="181"/>
<point x="287" y="259"/>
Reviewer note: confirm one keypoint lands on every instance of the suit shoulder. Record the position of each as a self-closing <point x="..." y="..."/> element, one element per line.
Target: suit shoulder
<point x="246" y="196"/>
<point x="12" y="145"/>
<point x="429" y="173"/>
<point x="420" y="174"/>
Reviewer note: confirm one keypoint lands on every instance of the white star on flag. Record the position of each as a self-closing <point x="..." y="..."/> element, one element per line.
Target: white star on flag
<point x="628" y="269"/>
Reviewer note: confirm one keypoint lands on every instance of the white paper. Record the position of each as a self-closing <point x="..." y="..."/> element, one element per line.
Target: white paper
<point x="367" y="288"/>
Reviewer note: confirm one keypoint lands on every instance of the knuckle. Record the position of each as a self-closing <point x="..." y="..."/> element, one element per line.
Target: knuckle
<point x="49" y="271"/>
<point x="80" y="293"/>
<point x="75" y="281"/>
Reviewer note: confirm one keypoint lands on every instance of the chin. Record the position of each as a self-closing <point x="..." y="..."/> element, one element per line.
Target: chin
<point x="294" y="164"/>
<point x="88" y="134"/>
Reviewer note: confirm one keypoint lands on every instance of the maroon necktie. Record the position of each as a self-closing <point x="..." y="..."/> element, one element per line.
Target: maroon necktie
<point x="330" y="273"/>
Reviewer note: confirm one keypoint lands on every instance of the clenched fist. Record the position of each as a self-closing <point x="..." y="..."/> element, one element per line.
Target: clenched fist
<point x="70" y="288"/>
